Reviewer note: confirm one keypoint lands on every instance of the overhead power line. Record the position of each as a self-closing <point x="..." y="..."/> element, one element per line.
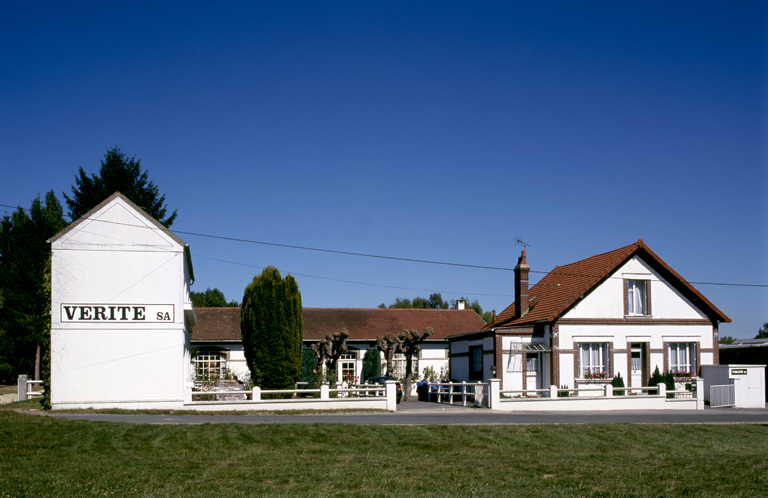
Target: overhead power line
<point x="354" y="281"/>
<point x="391" y="258"/>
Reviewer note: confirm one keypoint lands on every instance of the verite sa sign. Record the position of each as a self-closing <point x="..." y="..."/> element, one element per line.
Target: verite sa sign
<point x="118" y="313"/>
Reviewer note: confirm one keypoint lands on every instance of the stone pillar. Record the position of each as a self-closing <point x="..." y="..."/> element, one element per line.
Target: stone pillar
<point x="494" y="397"/>
<point x="256" y="393"/>
<point x="699" y="393"/>
<point x="552" y="392"/>
<point x="663" y="390"/>
<point x="22" y="388"/>
<point x="324" y="393"/>
<point x="391" y="392"/>
<point x="608" y="391"/>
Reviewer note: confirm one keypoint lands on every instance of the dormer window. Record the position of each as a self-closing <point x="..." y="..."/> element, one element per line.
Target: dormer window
<point x="637" y="297"/>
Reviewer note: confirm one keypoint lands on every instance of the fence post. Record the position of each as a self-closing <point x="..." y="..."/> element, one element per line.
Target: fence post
<point x="553" y="392"/>
<point x="324" y="393"/>
<point x="256" y="393"/>
<point x="22" y="388"/>
<point x="494" y="397"/>
<point x="464" y="393"/>
<point x="390" y="387"/>
<point x="699" y="393"/>
<point x="609" y="390"/>
<point x="662" y="390"/>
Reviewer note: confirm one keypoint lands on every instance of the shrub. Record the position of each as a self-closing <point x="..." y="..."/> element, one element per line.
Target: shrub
<point x="272" y="329"/>
<point x="371" y="364"/>
<point x="618" y="382"/>
<point x="430" y="375"/>
<point x="656" y="378"/>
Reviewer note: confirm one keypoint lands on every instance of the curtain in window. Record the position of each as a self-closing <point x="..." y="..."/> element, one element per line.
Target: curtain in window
<point x="532" y="364"/>
<point x="636" y="297"/>
<point x="594" y="358"/>
<point x="681" y="356"/>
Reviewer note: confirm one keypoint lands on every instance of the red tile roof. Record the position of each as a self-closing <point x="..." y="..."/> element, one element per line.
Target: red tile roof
<point x="223" y="324"/>
<point x="217" y="324"/>
<point x="565" y="285"/>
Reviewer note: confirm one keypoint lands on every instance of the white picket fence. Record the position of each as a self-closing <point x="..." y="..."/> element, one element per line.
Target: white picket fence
<point x="373" y="397"/>
<point x="596" y="398"/>
<point x="24" y="388"/>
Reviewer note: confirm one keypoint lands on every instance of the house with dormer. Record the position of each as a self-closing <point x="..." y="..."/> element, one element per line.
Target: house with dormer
<point x="624" y="312"/>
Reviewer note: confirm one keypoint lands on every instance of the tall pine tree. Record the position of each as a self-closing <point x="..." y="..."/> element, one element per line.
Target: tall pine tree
<point x="118" y="173"/>
<point x="272" y="329"/>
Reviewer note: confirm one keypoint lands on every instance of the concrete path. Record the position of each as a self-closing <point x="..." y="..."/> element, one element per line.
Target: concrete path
<point x="421" y="413"/>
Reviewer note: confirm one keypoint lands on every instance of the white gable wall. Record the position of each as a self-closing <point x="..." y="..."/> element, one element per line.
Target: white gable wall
<point x="607" y="300"/>
<point x="101" y="354"/>
<point x="673" y="318"/>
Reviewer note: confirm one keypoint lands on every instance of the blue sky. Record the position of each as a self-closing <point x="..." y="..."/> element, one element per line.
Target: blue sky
<point x="436" y="131"/>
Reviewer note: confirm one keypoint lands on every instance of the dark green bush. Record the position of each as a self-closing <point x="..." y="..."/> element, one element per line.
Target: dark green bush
<point x="618" y="382"/>
<point x="371" y="364"/>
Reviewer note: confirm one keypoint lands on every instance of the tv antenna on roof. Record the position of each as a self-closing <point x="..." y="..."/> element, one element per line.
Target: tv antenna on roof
<point x="524" y="244"/>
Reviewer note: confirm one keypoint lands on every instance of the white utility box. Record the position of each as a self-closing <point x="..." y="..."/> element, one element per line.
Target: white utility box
<point x="748" y="383"/>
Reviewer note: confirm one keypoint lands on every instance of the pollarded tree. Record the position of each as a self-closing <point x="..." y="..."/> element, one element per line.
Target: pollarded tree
<point x="272" y="329"/>
<point x="118" y="173"/>
<point x="389" y="345"/>
<point x="329" y="350"/>
<point x="409" y="345"/>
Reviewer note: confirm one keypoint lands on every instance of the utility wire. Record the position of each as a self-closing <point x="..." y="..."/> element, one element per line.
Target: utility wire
<point x="392" y="258"/>
<point x="353" y="281"/>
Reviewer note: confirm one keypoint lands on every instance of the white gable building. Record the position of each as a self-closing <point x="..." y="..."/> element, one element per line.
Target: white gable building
<point x="624" y="312"/>
<point x="121" y="312"/>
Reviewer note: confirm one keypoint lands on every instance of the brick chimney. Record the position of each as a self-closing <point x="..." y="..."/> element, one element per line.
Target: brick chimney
<point x="521" y="286"/>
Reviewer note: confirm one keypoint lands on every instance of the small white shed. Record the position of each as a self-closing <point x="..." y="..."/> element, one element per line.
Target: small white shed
<point x="748" y="383"/>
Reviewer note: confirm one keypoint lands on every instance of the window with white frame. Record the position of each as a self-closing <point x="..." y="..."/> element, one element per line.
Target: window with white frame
<point x="681" y="357"/>
<point x="209" y="366"/>
<point x="637" y="297"/>
<point x="347" y="368"/>
<point x="593" y="360"/>
<point x="399" y="366"/>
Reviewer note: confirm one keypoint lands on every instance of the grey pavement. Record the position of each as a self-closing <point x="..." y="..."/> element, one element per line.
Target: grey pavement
<point x="423" y="413"/>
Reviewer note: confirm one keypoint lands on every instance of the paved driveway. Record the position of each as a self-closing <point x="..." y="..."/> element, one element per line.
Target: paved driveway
<point x="421" y="413"/>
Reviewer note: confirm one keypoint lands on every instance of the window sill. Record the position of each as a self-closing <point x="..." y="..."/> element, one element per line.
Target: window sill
<point x="638" y="317"/>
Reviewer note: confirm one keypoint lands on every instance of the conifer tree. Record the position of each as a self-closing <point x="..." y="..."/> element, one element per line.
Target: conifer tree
<point x="272" y="329"/>
<point x="118" y="173"/>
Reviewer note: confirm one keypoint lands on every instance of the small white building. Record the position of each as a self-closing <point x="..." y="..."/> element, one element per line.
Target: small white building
<point x="746" y="384"/>
<point x="622" y="312"/>
<point x="217" y="339"/>
<point x="121" y="313"/>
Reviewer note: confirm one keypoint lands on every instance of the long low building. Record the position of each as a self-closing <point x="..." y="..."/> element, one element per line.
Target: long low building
<point x="217" y="342"/>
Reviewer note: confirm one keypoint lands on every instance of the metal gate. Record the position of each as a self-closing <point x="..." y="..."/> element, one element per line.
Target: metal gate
<point x="722" y="395"/>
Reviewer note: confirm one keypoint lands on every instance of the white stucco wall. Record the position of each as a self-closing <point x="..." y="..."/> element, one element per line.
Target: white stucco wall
<point x="607" y="300"/>
<point x="101" y="354"/>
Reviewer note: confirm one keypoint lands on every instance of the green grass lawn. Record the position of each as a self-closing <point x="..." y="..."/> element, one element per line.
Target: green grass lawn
<point x="40" y="456"/>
